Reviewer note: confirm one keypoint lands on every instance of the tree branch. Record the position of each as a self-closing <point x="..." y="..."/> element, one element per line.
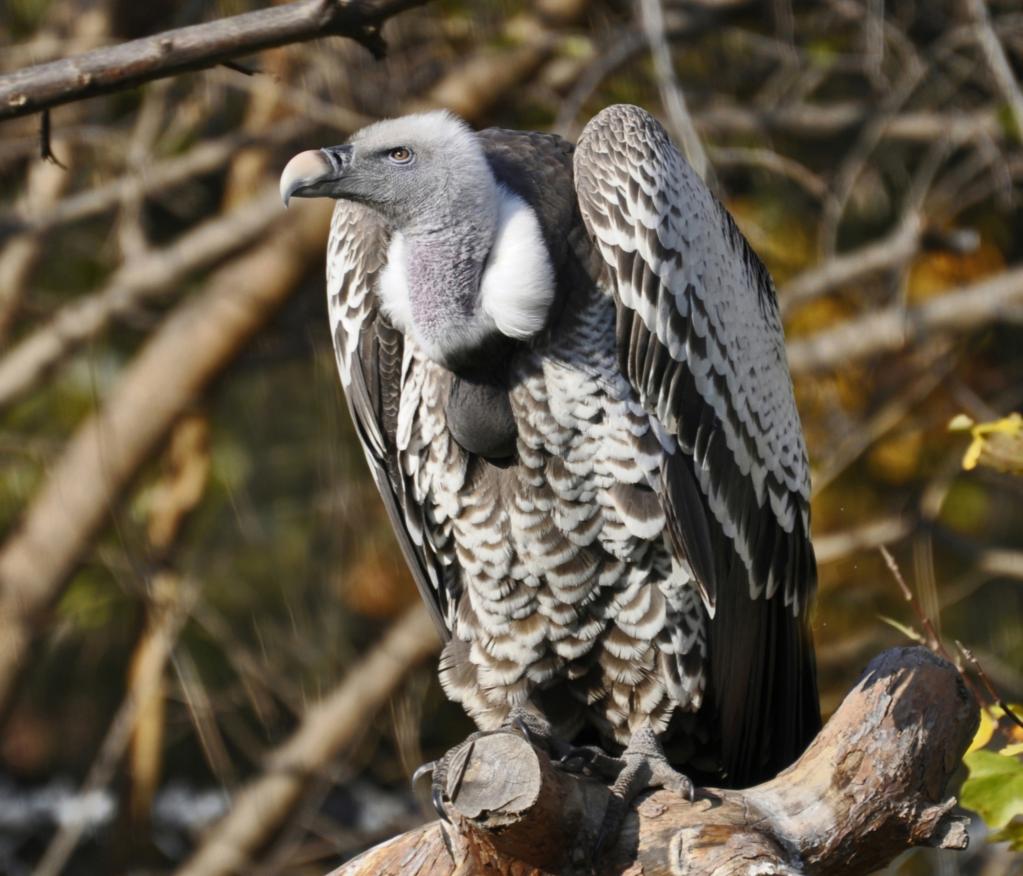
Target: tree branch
<point x="872" y="784"/>
<point x="196" y="47"/>
<point x="810" y="120"/>
<point x="891" y="329"/>
<point x="994" y="54"/>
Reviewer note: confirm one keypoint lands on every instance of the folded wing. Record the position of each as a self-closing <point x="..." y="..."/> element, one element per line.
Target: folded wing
<point x="700" y="339"/>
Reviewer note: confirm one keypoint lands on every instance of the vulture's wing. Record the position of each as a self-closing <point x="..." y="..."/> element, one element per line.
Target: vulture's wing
<point x="700" y="339"/>
<point x="373" y="369"/>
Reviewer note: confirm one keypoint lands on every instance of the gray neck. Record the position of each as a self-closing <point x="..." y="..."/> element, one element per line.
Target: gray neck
<point x="444" y="265"/>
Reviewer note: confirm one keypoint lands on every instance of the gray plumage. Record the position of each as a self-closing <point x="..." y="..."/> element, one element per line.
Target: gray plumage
<point x="580" y="418"/>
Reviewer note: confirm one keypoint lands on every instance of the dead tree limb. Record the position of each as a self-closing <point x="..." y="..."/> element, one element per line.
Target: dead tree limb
<point x="196" y="47"/>
<point x="872" y="784"/>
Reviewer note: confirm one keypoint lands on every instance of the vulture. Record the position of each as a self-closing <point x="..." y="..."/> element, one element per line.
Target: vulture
<point x="567" y="369"/>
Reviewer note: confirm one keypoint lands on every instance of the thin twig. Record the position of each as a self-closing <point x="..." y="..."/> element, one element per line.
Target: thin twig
<point x="160" y="639"/>
<point x="933" y="638"/>
<point x="45" y="144"/>
<point x="975" y="664"/>
<point x="159" y="175"/>
<point x="774" y="162"/>
<point x="893" y="567"/>
<point x="326" y="729"/>
<point x="998" y="62"/>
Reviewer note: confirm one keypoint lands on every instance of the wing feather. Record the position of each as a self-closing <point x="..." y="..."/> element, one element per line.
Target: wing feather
<point x="374" y="369"/>
<point x="700" y="339"/>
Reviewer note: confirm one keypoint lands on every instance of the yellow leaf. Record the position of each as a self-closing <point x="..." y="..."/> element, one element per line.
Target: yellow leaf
<point x="1010" y="425"/>
<point x="988" y="725"/>
<point x="972" y="455"/>
<point x="997" y="444"/>
<point x="994" y="719"/>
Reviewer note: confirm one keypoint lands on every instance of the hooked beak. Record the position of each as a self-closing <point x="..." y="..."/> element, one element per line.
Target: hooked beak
<point x="307" y="173"/>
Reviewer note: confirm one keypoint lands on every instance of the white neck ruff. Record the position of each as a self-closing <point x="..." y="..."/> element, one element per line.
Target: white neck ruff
<point x="517" y="286"/>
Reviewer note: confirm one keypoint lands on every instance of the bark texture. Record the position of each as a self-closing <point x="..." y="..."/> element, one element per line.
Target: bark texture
<point x="871" y="785"/>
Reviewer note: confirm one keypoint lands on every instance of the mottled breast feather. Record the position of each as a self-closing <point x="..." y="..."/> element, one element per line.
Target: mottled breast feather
<point x="700" y="339"/>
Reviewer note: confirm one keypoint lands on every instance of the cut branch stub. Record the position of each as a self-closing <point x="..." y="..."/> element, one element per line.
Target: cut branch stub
<point x="512" y="803"/>
<point x="872" y="784"/>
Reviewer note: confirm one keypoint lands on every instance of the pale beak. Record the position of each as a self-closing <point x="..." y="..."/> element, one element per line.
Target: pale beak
<point x="303" y="175"/>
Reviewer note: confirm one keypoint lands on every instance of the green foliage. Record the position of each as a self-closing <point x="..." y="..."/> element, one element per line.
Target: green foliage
<point x="994" y="790"/>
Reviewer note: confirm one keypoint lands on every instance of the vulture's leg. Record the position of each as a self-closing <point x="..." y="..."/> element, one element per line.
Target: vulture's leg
<point x="642" y="766"/>
<point x="447" y="771"/>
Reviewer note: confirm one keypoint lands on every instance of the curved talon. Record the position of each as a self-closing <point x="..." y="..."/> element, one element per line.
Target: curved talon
<point x="425" y="769"/>
<point x="577" y="761"/>
<point x="519" y="724"/>
<point x="438" y="804"/>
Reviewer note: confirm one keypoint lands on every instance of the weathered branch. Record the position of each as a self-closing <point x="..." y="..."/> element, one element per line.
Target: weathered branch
<point x="192" y="48"/>
<point x="872" y="784"/>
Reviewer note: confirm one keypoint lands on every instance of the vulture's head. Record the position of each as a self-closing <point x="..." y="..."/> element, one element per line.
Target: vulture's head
<point x="466" y="260"/>
<point x="416" y="170"/>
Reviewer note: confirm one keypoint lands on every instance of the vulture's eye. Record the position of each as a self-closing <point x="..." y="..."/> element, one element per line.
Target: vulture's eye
<point x="400" y="155"/>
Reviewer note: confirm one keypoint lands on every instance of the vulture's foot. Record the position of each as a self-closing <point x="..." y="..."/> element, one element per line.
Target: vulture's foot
<point x="641" y="767"/>
<point x="447" y="772"/>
